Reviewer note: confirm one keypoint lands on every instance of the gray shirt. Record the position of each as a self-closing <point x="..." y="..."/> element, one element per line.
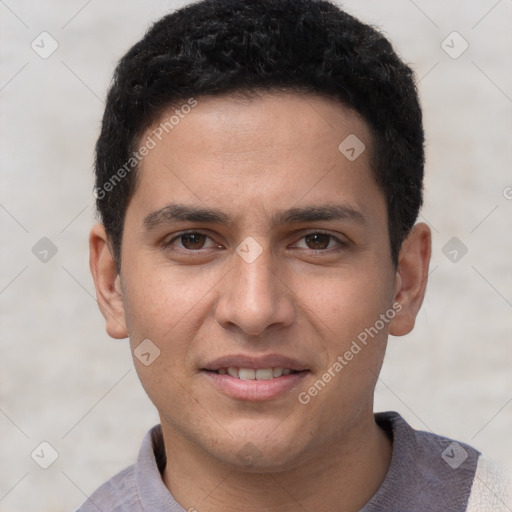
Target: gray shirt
<point x="427" y="473"/>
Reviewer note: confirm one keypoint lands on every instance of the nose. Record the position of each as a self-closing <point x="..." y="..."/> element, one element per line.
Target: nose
<point x="254" y="297"/>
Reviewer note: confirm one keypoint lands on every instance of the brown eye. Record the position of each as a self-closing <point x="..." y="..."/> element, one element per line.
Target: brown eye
<point x="318" y="241"/>
<point x="193" y="241"/>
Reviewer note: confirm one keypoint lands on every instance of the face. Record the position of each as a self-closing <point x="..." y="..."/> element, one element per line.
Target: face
<point x="256" y="260"/>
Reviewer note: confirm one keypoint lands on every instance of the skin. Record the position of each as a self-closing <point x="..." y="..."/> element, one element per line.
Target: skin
<point x="307" y="298"/>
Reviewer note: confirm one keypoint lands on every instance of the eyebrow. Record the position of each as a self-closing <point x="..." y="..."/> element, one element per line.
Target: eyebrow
<point x="180" y="212"/>
<point x="319" y="213"/>
<point x="183" y="213"/>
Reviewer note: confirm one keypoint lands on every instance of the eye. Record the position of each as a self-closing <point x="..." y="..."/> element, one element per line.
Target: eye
<point x="319" y="242"/>
<point x="192" y="241"/>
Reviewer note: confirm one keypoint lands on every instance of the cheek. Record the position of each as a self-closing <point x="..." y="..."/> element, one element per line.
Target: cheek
<point x="162" y="302"/>
<point x="343" y="302"/>
<point x="346" y="309"/>
<point x="167" y="307"/>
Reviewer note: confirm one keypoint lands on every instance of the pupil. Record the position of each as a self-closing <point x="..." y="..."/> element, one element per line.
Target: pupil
<point x="193" y="240"/>
<point x="318" y="241"/>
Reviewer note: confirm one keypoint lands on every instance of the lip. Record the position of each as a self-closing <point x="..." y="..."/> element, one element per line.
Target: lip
<point x="255" y="390"/>
<point x="267" y="361"/>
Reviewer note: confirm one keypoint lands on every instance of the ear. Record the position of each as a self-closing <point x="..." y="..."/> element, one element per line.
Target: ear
<point x="107" y="282"/>
<point x="411" y="278"/>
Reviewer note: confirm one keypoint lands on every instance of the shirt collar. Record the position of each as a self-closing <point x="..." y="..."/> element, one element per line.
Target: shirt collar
<point x="152" y="492"/>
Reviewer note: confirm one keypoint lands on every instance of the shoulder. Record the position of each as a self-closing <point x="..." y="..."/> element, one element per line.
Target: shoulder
<point x="436" y="455"/>
<point x="118" y="494"/>
<point x="137" y="487"/>
<point x="428" y="472"/>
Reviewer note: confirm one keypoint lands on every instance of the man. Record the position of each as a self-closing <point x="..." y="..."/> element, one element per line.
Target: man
<point x="258" y="176"/>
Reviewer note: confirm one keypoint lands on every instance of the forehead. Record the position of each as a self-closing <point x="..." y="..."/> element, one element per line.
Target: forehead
<point x="244" y="122"/>
<point x="256" y="155"/>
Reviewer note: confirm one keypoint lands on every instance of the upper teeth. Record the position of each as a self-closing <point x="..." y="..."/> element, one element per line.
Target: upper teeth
<point x="252" y="374"/>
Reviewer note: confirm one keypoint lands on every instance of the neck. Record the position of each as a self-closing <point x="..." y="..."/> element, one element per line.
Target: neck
<point x="341" y="477"/>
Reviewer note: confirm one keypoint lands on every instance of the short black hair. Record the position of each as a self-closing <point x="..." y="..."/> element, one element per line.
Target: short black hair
<point x="216" y="47"/>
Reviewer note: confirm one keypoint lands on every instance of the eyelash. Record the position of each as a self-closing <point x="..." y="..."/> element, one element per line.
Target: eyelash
<point x="170" y="243"/>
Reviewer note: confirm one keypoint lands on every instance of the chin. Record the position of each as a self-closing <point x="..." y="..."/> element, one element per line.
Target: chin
<point x="255" y="451"/>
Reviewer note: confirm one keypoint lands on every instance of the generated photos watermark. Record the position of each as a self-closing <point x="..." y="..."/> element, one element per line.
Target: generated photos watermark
<point x="150" y="143"/>
<point x="363" y="337"/>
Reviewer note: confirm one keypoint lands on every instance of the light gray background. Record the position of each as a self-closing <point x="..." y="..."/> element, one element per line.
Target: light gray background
<point x="62" y="380"/>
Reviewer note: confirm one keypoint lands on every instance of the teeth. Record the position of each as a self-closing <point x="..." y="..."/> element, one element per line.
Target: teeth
<point x="252" y="374"/>
<point x="246" y="374"/>
<point x="264" y="374"/>
<point x="233" y="372"/>
<point x="278" y="372"/>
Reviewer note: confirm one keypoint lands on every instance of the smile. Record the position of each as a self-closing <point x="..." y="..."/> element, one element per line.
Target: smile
<point x="255" y="374"/>
<point x="250" y="378"/>
<point x="255" y="385"/>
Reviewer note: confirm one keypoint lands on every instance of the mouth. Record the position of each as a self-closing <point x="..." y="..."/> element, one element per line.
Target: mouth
<point x="255" y="374"/>
<point x="255" y="379"/>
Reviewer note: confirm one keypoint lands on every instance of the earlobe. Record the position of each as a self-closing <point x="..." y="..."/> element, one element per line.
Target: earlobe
<point x="107" y="283"/>
<point x="411" y="279"/>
